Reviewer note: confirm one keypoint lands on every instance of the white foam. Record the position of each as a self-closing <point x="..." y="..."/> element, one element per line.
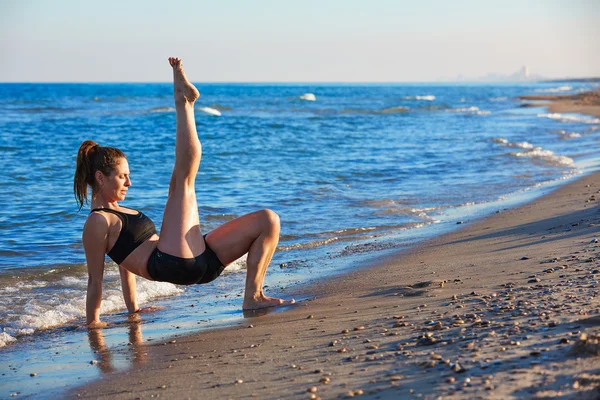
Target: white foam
<point x="571" y="118"/>
<point x="315" y="243"/>
<point x="210" y="111"/>
<point x="5" y="339"/>
<point x="499" y="99"/>
<point x="506" y="143"/>
<point x="464" y="109"/>
<point x="162" y="109"/>
<point x="426" y="98"/>
<point x="555" y="90"/>
<point x="569" y="135"/>
<point x="308" y="97"/>
<point x="536" y="152"/>
<point x="523" y="145"/>
<point x="547" y="156"/>
<point x="47" y="310"/>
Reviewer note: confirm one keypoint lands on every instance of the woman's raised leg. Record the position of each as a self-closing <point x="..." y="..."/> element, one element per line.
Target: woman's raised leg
<point x="180" y="233"/>
<point x="256" y="234"/>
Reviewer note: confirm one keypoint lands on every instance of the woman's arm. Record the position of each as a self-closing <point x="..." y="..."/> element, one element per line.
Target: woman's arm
<point x="129" y="292"/>
<point x="95" y="238"/>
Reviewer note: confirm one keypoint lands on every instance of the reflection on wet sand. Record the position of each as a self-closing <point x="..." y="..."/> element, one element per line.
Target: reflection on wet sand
<point x="135" y="345"/>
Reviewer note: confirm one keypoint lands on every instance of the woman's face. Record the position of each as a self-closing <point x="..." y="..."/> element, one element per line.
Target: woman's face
<point x="114" y="187"/>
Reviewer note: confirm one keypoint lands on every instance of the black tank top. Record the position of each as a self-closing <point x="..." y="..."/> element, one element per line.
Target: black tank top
<point x="135" y="230"/>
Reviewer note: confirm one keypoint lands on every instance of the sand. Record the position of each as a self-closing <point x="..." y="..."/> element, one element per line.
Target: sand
<point x="504" y="307"/>
<point x="584" y="103"/>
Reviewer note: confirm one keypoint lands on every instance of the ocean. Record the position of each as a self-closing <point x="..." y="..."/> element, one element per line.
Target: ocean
<point x="353" y="170"/>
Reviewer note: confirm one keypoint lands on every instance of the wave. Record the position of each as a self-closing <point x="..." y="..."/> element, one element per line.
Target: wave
<point x="568" y="135"/>
<point x="538" y="153"/>
<point x="469" y="110"/>
<point x="5" y="339"/>
<point x="45" y="109"/>
<point x="161" y="109"/>
<point x="43" y="299"/>
<point x="393" y="110"/>
<point x="426" y="98"/>
<point x="571" y="118"/>
<point x="210" y="111"/>
<point x="546" y="156"/>
<point x="498" y="98"/>
<point x="555" y="90"/>
<point x="308" y="97"/>
<point x="220" y="107"/>
<point x="523" y="145"/>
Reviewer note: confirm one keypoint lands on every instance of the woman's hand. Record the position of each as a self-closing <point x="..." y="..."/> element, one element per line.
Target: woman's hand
<point x="150" y="309"/>
<point x="96" y="325"/>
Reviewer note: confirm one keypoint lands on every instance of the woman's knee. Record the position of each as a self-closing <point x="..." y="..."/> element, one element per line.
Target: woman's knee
<point x="270" y="220"/>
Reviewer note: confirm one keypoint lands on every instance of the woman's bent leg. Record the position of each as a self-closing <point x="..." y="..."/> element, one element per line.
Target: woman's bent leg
<point x="180" y="233"/>
<point x="256" y="234"/>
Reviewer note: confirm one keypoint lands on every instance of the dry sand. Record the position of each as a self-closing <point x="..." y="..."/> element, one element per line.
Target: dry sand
<point x="505" y="307"/>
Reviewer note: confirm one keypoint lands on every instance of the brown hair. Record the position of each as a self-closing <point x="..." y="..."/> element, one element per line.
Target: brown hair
<point x="91" y="158"/>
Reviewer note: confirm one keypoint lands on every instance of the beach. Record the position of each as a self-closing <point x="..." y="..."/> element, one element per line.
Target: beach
<point x="497" y="309"/>
<point x="405" y="285"/>
<point x="584" y="103"/>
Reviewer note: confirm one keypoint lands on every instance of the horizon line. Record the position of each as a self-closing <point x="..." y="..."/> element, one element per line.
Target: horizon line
<point x="546" y="80"/>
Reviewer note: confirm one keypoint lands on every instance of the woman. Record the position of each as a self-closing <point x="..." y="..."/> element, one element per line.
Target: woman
<point x="181" y="254"/>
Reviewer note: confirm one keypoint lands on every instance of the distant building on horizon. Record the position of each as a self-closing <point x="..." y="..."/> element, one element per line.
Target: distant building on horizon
<point x="521" y="75"/>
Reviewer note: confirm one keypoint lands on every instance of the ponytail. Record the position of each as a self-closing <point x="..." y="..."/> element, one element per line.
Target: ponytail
<point x="91" y="158"/>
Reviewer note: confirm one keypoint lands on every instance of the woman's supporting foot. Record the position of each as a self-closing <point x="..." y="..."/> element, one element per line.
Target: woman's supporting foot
<point x="184" y="91"/>
<point x="261" y="301"/>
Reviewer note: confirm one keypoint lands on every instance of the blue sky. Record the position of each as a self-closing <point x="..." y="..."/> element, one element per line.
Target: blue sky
<point x="296" y="41"/>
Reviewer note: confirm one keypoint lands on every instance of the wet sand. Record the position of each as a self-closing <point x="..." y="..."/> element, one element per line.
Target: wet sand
<point x="505" y="307"/>
<point x="497" y="309"/>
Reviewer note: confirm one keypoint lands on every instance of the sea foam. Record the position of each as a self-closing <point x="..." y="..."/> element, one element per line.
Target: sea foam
<point x="571" y="118"/>
<point x="308" y="97"/>
<point x="31" y="307"/>
<point x="556" y="89"/>
<point x="426" y="98"/>
<point x="536" y="153"/>
<point x="210" y="111"/>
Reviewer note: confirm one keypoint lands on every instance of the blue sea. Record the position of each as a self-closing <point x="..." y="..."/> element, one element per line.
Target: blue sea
<point x="353" y="170"/>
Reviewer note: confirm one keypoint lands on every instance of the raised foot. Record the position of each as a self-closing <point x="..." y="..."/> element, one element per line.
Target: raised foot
<point x="184" y="90"/>
<point x="265" y="302"/>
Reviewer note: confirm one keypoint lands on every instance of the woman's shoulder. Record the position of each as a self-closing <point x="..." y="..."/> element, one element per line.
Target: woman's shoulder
<point x="96" y="218"/>
<point x="96" y="226"/>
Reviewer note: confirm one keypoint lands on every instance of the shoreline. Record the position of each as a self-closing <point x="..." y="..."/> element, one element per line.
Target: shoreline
<point x="424" y="322"/>
<point x="490" y="310"/>
<point x="582" y="103"/>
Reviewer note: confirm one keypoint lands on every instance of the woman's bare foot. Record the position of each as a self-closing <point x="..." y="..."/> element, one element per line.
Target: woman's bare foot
<point x="184" y="91"/>
<point x="262" y="301"/>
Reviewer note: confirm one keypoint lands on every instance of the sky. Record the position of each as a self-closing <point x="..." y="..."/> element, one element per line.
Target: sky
<point x="296" y="41"/>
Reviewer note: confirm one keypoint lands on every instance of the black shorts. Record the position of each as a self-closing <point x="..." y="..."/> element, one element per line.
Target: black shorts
<point x="206" y="267"/>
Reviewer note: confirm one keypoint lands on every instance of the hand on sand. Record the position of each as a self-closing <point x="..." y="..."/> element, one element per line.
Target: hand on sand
<point x="96" y="325"/>
<point x="150" y="309"/>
